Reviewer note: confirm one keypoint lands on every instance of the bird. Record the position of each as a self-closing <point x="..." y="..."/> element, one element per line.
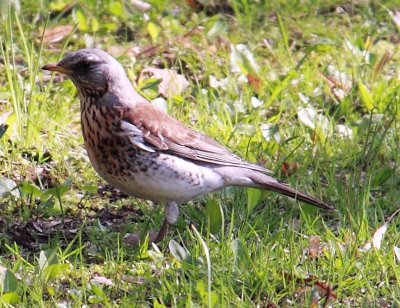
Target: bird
<point x="143" y="151"/>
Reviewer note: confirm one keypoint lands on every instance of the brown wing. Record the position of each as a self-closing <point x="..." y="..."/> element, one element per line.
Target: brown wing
<point x="170" y="135"/>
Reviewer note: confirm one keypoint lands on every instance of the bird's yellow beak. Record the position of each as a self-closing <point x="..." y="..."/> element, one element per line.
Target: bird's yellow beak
<point x="55" y="68"/>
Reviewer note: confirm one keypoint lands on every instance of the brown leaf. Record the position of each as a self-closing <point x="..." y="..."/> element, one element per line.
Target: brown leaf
<point x="149" y="51"/>
<point x="255" y="82"/>
<point x="338" y="82"/>
<point x="320" y="290"/>
<point x="314" y="247"/>
<point x="171" y="84"/>
<point x="118" y="51"/>
<point x="194" y="4"/>
<point x="56" y="34"/>
<point x="288" y="169"/>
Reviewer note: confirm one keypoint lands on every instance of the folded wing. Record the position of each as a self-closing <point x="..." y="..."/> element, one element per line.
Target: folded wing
<point x="167" y="134"/>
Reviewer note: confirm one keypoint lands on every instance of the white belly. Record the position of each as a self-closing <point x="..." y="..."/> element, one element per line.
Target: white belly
<point x="175" y="179"/>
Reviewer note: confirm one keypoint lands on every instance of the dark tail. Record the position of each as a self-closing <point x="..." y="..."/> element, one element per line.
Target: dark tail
<point x="297" y="195"/>
<point x="251" y="178"/>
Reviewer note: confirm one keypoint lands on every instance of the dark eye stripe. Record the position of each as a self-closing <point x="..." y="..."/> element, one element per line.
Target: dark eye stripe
<point x="83" y="65"/>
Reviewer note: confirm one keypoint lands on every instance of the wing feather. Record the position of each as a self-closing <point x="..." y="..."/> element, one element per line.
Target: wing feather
<point x="167" y="134"/>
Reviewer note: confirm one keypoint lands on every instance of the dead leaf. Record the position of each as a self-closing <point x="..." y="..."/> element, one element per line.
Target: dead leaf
<point x="288" y="168"/>
<point x="56" y="34"/>
<point x="218" y="83"/>
<point x="242" y="60"/>
<point x="172" y="83"/>
<point x="118" y="51"/>
<point x="311" y="118"/>
<point x="4" y="116"/>
<point x="395" y="17"/>
<point x="255" y="82"/>
<point x="38" y="225"/>
<point x="397" y="253"/>
<point x="102" y="280"/>
<point x="379" y="234"/>
<point x="195" y="5"/>
<point x="141" y="5"/>
<point x="314" y="248"/>
<point x="339" y="82"/>
<point x="320" y="290"/>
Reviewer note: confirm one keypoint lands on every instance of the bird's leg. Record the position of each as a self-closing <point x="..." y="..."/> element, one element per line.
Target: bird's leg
<point x="171" y="216"/>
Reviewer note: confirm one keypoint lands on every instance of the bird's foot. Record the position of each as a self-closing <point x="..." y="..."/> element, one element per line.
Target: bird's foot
<point x="134" y="239"/>
<point x="171" y="216"/>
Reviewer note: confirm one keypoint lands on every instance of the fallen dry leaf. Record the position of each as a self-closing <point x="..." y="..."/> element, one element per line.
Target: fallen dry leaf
<point x="287" y="169"/>
<point x="56" y="34"/>
<point x="255" y="82"/>
<point x="395" y="17"/>
<point x="339" y="82"/>
<point x="141" y="5"/>
<point x="314" y="247"/>
<point x="172" y="83"/>
<point x="397" y="253"/>
<point x="102" y="280"/>
<point x="320" y="290"/>
<point x="377" y="238"/>
<point x="195" y="5"/>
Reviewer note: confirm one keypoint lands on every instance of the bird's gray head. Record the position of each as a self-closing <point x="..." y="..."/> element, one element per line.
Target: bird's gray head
<point x="93" y="71"/>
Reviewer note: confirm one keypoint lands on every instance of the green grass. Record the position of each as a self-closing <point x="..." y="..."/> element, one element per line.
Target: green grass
<point x="238" y="247"/>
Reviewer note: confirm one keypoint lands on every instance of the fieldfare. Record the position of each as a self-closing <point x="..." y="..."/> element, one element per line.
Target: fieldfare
<point x="146" y="153"/>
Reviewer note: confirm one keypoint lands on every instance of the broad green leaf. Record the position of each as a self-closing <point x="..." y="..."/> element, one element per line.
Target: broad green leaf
<point x="54" y="270"/>
<point x="94" y="299"/>
<point x="200" y="287"/>
<point x="214" y="216"/>
<point x="30" y="189"/>
<point x="110" y="26"/>
<point x="116" y="8"/>
<point x="153" y="30"/>
<point x="150" y="83"/>
<point x="238" y="251"/>
<point x="157" y="304"/>
<point x="81" y="20"/>
<point x="218" y="28"/>
<point x="57" y="5"/>
<point x="8" y="281"/>
<point x="59" y="190"/>
<point x="366" y="96"/>
<point x="95" y="25"/>
<point x="253" y="198"/>
<point x="97" y="290"/>
<point x="51" y="290"/>
<point x="11" y="298"/>
<point x="47" y="258"/>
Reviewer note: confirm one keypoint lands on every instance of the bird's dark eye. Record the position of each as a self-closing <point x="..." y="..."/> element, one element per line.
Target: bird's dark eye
<point x="83" y="65"/>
